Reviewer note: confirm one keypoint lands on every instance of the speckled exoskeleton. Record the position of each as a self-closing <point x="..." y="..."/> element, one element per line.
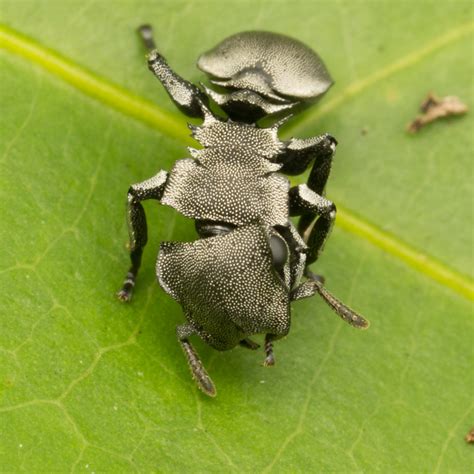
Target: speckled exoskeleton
<point x="240" y="276"/>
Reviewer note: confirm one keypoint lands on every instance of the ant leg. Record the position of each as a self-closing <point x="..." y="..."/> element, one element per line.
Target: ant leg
<point x="185" y="95"/>
<point x="305" y="202"/>
<point x="311" y="287"/>
<point x="137" y="227"/>
<point x="299" y="153"/>
<point x="249" y="344"/>
<point x="198" y="371"/>
<point x="297" y="157"/>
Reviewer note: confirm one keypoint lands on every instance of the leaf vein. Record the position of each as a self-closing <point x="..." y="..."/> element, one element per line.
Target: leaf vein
<point x="450" y="436"/>
<point x="357" y="87"/>
<point x="309" y="393"/>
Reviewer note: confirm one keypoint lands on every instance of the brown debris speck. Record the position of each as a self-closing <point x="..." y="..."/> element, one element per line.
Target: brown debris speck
<point x="434" y="108"/>
<point x="470" y="436"/>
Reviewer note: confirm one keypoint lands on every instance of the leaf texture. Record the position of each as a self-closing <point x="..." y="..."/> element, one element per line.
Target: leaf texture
<point x="90" y="385"/>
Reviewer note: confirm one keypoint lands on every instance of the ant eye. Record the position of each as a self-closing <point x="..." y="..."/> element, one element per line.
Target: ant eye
<point x="279" y="252"/>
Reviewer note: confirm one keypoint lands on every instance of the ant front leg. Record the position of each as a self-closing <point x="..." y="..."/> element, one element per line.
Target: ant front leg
<point x="137" y="227"/>
<point x="249" y="344"/>
<point x="185" y="95"/>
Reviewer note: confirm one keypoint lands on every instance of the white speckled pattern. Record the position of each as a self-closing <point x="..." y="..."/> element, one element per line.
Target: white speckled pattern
<point x="226" y="285"/>
<point x="269" y="64"/>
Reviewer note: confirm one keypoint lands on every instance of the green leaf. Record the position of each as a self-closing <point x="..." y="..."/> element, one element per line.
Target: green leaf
<point x="88" y="384"/>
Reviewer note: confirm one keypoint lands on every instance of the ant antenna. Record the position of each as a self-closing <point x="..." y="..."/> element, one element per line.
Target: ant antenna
<point x="146" y="34"/>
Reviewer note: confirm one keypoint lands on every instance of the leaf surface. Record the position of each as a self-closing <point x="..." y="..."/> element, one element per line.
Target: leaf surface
<point x="90" y="385"/>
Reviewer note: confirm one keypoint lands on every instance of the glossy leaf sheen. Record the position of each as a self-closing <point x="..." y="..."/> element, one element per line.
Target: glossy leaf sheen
<point x="88" y="384"/>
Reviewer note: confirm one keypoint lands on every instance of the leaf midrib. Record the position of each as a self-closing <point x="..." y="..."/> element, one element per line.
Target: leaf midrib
<point x="171" y="125"/>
